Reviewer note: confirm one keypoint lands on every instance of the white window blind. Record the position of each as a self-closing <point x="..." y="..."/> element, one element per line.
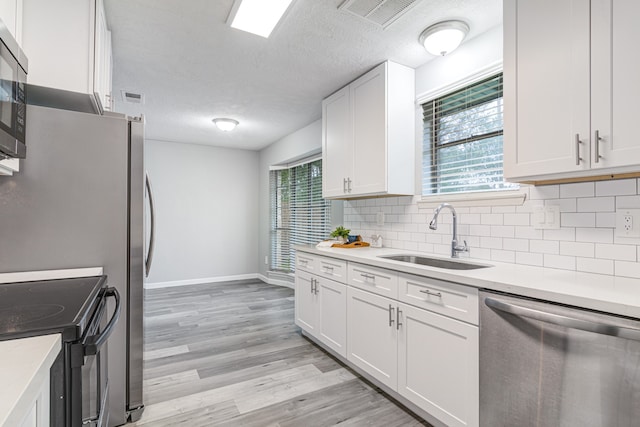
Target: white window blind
<point x="299" y="214"/>
<point x="462" y="140"/>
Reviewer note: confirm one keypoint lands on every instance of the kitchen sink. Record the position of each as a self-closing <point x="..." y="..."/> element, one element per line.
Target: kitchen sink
<point x="435" y="262"/>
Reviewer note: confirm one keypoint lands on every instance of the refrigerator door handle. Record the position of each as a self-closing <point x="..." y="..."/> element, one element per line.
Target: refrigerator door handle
<point x="152" y="237"/>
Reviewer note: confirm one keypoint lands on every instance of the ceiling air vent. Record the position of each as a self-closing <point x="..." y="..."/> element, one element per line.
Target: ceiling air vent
<point x="132" y="98"/>
<point x="379" y="12"/>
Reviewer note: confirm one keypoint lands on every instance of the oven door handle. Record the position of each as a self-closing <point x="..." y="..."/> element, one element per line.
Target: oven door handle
<point x="93" y="343"/>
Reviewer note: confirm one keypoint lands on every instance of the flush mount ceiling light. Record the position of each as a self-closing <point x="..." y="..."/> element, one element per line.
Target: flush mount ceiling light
<point x="225" y="124"/>
<point x="443" y="37"/>
<point x="258" y="16"/>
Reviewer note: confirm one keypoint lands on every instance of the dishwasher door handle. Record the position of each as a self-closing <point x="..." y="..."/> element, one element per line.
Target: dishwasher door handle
<point x="564" y="321"/>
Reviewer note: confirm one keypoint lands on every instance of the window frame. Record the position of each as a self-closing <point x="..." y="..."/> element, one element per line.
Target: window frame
<point x="479" y="198"/>
<point x="293" y="227"/>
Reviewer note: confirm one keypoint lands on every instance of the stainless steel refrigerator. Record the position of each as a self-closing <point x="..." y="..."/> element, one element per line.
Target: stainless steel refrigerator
<point x="78" y="201"/>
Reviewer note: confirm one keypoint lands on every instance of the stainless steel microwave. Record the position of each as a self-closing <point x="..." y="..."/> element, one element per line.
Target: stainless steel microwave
<point x="13" y="111"/>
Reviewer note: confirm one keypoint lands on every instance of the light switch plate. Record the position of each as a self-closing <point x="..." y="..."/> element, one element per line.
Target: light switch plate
<point x="628" y="223"/>
<point x="546" y="217"/>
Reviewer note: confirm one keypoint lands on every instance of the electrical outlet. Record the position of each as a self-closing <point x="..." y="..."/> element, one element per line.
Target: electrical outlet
<point x="380" y="219"/>
<point x="266" y="260"/>
<point x="628" y="223"/>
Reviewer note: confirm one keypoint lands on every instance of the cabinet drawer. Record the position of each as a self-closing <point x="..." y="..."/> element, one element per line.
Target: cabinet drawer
<point x="450" y="299"/>
<point x="377" y="280"/>
<point x="306" y="262"/>
<point x="332" y="268"/>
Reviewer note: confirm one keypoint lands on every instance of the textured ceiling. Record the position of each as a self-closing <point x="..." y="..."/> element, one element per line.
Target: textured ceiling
<point x="191" y="66"/>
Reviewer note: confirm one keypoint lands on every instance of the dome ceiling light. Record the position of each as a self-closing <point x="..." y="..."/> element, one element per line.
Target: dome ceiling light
<point x="444" y="37"/>
<point x="226" y="125"/>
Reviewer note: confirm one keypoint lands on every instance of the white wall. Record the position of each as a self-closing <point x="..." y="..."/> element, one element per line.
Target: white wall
<point x="586" y="240"/>
<point x="299" y="144"/>
<point x="207" y="212"/>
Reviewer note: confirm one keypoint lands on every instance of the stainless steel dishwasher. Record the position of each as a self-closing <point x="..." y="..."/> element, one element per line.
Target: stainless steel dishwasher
<point x="548" y="365"/>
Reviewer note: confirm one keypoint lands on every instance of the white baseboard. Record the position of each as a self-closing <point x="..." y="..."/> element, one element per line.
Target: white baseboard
<point x="158" y="285"/>
<point x="277" y="282"/>
<point x="270" y="281"/>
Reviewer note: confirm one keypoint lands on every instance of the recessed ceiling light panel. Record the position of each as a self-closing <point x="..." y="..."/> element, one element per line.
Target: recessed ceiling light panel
<point x="258" y="17"/>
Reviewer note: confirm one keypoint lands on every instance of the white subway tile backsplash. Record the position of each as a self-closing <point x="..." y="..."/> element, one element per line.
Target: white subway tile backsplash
<point x="628" y="202"/>
<point x="480" y="253"/>
<point x="517" y="219"/>
<point x="581" y="189"/>
<point x="491" y="242"/>
<point x="580" y="249"/>
<point x="491" y="219"/>
<point x="528" y="233"/>
<point x="528" y="258"/>
<point x="480" y="230"/>
<point x="595" y="235"/>
<point x="597" y="204"/>
<point x="569" y="219"/>
<point x="503" y="256"/>
<point x="545" y="192"/>
<point x="605" y="219"/>
<point x="544" y="246"/>
<point x="520" y="245"/>
<point x="627" y="269"/>
<point x="560" y="261"/>
<point x="585" y="241"/>
<point x="618" y="187"/>
<point x="594" y="265"/>
<point x="616" y="252"/>
<point x="503" y="209"/>
<point x="480" y="209"/>
<point x="567" y="233"/>
<point x="502" y="231"/>
<point x="566" y="205"/>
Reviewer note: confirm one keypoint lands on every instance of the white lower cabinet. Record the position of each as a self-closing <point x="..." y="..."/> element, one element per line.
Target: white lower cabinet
<point x="438" y="365"/>
<point x="321" y="310"/>
<point x="418" y="340"/>
<point x="372" y="338"/>
<point x="38" y="413"/>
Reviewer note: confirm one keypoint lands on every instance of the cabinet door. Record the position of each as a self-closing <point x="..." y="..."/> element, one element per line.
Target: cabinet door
<point x="332" y="315"/>
<point x="438" y="365"/>
<point x="372" y="338"/>
<point x="306" y="311"/>
<point x="546" y="93"/>
<point x="337" y="148"/>
<point x="369" y="107"/>
<point x="615" y="85"/>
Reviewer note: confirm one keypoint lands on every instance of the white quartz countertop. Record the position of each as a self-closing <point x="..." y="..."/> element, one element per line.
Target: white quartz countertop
<point x="24" y="364"/>
<point x="618" y="295"/>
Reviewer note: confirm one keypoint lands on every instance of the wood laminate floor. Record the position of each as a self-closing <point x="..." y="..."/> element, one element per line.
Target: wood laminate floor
<point x="229" y="354"/>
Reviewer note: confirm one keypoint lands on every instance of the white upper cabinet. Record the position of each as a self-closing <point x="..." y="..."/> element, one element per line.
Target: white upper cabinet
<point x="570" y="88"/>
<point x="69" y="46"/>
<point x="368" y="135"/>
<point x="11" y="15"/>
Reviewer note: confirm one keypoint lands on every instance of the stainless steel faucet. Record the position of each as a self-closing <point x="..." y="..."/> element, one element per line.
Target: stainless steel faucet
<point x="455" y="248"/>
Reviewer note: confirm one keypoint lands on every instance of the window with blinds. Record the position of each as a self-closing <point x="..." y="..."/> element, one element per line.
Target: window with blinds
<point x="462" y="140"/>
<point x="299" y="214"/>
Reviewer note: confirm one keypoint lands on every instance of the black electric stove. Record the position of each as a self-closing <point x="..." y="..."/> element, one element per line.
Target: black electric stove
<point x="77" y="309"/>
<point x="52" y="306"/>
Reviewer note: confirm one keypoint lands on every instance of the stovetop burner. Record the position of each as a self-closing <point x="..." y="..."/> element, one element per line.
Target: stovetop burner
<point x="51" y="306"/>
<point x="18" y="317"/>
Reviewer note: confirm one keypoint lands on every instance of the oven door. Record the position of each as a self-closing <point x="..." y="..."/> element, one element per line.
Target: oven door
<point x="95" y="380"/>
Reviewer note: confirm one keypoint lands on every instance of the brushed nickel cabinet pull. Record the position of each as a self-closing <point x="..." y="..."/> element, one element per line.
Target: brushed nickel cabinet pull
<point x="398" y="322"/>
<point x="578" y="142"/>
<point x="391" y="320"/>
<point x="597" y="146"/>
<point x="434" y="294"/>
